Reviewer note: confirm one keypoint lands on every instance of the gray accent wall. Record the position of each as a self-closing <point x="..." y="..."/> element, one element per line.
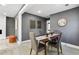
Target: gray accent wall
<point x="71" y="30"/>
<point x="26" y="17"/>
<point x="10" y="26"/>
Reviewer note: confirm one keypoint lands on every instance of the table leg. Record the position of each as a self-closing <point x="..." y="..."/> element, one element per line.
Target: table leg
<point x="45" y="49"/>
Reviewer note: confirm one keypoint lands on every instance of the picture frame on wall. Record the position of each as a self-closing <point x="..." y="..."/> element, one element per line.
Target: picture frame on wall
<point x="39" y="24"/>
<point x="62" y="22"/>
<point x="32" y="24"/>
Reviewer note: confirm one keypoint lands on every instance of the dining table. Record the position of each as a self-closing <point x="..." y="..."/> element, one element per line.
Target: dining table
<point x="44" y="39"/>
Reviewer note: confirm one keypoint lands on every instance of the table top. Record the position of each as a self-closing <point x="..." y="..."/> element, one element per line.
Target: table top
<point x="44" y="37"/>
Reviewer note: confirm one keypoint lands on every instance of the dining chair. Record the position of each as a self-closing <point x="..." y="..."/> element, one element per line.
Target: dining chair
<point x="35" y="45"/>
<point x="56" y="42"/>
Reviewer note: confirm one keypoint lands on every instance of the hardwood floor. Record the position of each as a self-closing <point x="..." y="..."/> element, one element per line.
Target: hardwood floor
<point x="24" y="49"/>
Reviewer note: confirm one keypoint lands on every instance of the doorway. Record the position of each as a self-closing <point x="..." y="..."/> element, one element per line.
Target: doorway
<point x="10" y="26"/>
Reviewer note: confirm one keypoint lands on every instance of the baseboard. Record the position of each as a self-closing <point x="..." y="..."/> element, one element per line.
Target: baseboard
<point x="21" y="42"/>
<point x="70" y="45"/>
<point x="25" y="41"/>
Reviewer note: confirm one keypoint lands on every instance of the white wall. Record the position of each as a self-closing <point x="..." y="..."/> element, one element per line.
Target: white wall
<point x="3" y="26"/>
<point x="18" y="24"/>
<point x="18" y="27"/>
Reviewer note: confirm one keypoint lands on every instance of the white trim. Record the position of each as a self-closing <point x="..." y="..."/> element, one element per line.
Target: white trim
<point x="25" y="41"/>
<point x="23" y="9"/>
<point x="19" y="18"/>
<point x="70" y="45"/>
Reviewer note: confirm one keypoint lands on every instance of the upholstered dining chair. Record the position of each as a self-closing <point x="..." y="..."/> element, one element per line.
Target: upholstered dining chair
<point x="37" y="47"/>
<point x="56" y="41"/>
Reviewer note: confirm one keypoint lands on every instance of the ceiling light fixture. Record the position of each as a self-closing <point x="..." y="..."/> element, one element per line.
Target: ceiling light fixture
<point x="66" y="4"/>
<point x="3" y="4"/>
<point x="39" y="11"/>
<point x="5" y="14"/>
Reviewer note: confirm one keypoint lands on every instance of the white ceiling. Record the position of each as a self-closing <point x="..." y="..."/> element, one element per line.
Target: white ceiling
<point x="45" y="10"/>
<point x="10" y="9"/>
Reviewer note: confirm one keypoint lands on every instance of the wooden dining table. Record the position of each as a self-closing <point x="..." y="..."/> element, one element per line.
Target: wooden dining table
<point x="44" y="39"/>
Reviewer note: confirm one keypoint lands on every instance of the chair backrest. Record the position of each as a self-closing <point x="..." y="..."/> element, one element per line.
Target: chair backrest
<point x="34" y="43"/>
<point x="57" y="38"/>
<point x="58" y="32"/>
<point x="54" y="37"/>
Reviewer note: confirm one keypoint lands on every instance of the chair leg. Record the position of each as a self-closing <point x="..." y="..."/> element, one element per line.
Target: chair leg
<point x="58" y="50"/>
<point x="36" y="52"/>
<point x="45" y="50"/>
<point x="60" y="47"/>
<point x="30" y="51"/>
<point x="51" y="47"/>
<point x="48" y="48"/>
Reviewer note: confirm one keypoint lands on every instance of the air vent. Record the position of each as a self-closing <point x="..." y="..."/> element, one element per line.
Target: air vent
<point x="66" y="4"/>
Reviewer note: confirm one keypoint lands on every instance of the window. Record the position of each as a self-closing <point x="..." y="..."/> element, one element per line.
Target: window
<point x="32" y="24"/>
<point x="48" y="26"/>
<point x="38" y="24"/>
